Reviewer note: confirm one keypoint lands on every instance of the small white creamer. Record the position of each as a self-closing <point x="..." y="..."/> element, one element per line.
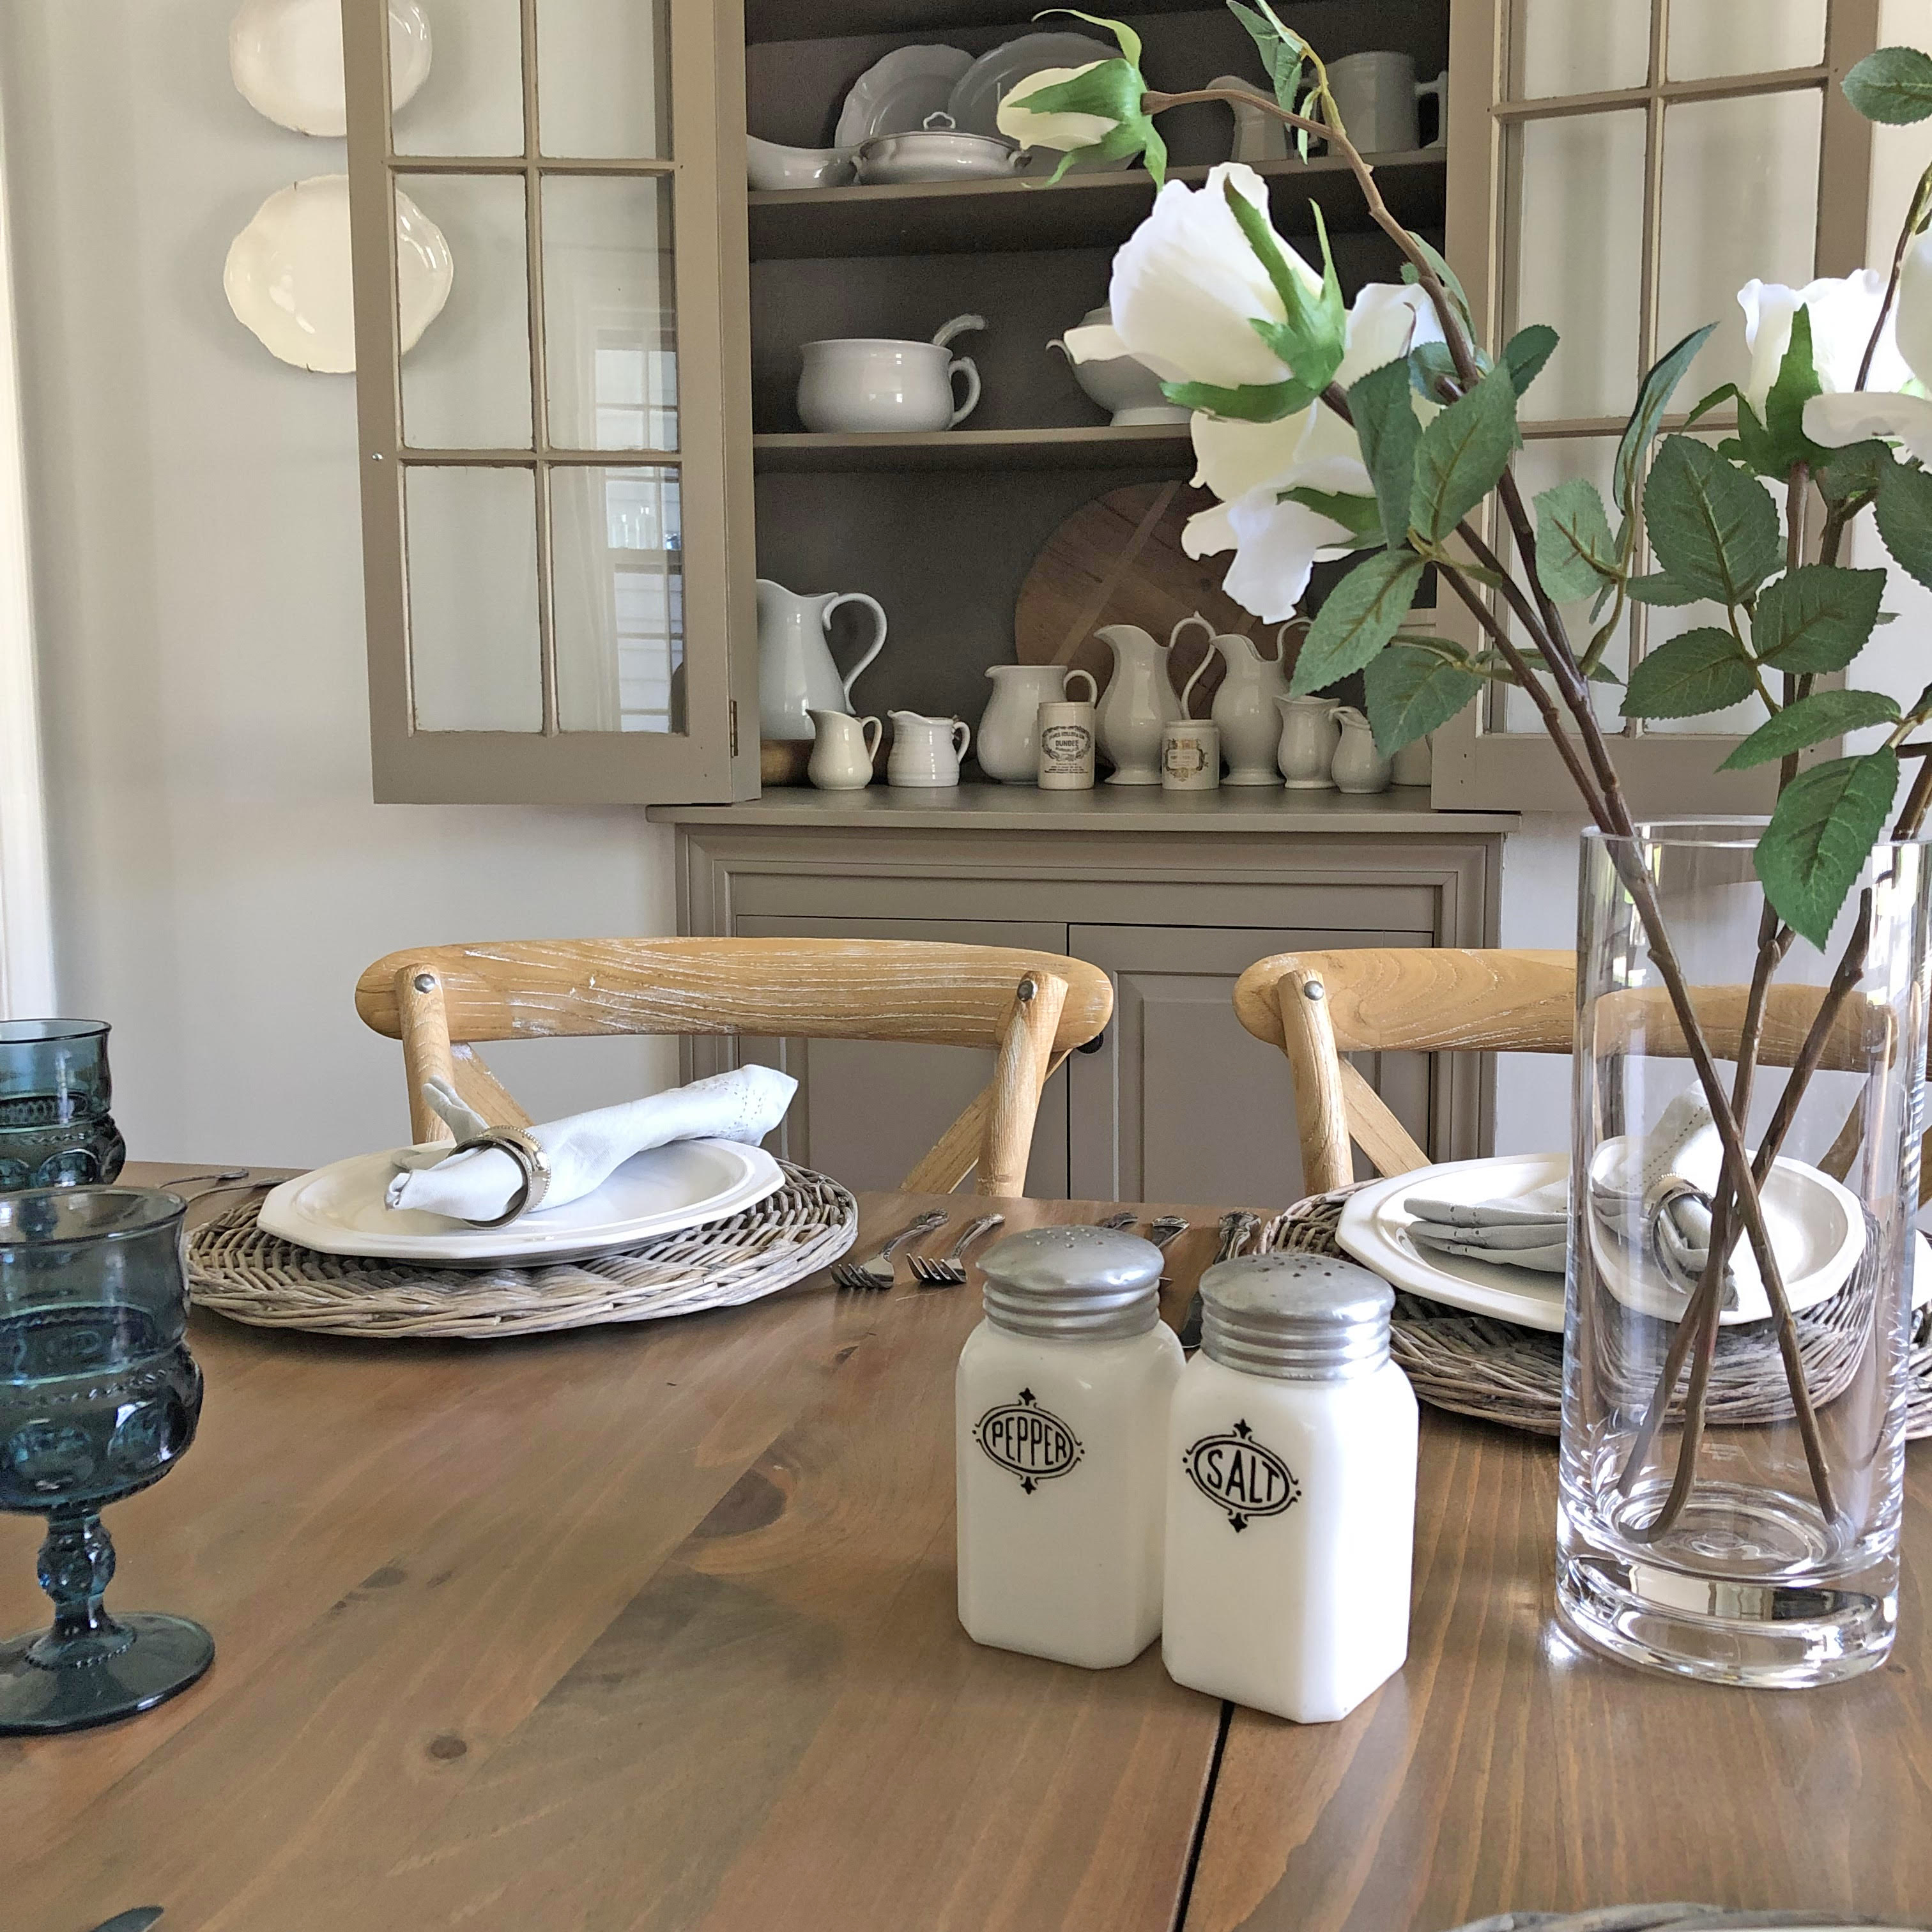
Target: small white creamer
<point x="1061" y="1398"/>
<point x="1291" y="1483"/>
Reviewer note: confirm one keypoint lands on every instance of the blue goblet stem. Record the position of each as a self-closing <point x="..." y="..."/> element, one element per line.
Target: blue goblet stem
<point x="76" y="1565"/>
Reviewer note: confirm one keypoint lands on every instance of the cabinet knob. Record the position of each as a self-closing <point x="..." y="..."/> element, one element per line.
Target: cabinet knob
<point x="1094" y="1045"/>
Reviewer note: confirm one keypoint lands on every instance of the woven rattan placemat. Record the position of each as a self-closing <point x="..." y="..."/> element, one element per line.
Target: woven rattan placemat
<point x="1502" y="1373"/>
<point x="238" y="1271"/>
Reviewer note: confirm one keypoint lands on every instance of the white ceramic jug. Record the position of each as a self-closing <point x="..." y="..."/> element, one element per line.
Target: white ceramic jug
<point x="1244" y="706"/>
<point x="926" y="751"/>
<point x="1009" y="725"/>
<point x="843" y="750"/>
<point x="1140" y="700"/>
<point x="1309" y="737"/>
<point x="795" y="674"/>
<point x="1358" y="766"/>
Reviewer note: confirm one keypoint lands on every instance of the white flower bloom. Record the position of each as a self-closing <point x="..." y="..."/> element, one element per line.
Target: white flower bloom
<point x="1065" y="132"/>
<point x="1894" y="403"/>
<point x="1249" y="465"/>
<point x="1187" y="287"/>
<point x="1842" y="309"/>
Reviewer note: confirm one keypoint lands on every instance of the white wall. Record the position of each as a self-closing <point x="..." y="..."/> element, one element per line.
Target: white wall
<point x="220" y="875"/>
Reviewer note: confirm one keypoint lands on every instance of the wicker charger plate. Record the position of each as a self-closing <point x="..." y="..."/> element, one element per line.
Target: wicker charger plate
<point x="1474" y="1365"/>
<point x="238" y="1271"/>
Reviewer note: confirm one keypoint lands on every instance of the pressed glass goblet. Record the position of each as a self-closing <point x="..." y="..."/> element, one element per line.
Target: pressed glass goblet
<point x="55" y="1128"/>
<point x="98" y="1397"/>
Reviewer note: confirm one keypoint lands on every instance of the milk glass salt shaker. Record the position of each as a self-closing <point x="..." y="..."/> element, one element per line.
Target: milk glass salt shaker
<point x="1061" y="1399"/>
<point x="1290" y="1485"/>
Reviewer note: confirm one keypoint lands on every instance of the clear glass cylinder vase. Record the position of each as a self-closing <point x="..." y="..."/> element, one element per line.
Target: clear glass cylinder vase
<point x="1733" y="1435"/>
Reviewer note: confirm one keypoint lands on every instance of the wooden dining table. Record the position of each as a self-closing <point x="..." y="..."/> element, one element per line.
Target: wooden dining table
<point x="653" y="1626"/>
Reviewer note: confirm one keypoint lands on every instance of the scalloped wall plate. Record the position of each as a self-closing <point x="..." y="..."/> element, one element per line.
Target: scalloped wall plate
<point x="288" y="279"/>
<point x="286" y="56"/>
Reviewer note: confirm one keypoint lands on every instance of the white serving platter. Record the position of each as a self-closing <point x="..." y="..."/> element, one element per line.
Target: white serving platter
<point x="340" y="1209"/>
<point x="895" y="95"/>
<point x="285" y="57"/>
<point x="288" y="278"/>
<point x="1815" y="1224"/>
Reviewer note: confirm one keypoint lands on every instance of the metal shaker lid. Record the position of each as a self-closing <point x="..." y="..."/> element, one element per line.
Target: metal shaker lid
<point x="1296" y="1317"/>
<point x="1067" y="1283"/>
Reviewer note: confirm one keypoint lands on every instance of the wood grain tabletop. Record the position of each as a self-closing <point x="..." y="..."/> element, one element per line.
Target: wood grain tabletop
<point x="652" y="1627"/>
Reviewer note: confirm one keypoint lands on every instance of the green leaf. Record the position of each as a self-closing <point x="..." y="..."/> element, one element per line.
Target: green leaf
<point x="1854" y="473"/>
<point x="1385" y="422"/>
<point x="1597" y="673"/>
<point x="1575" y="552"/>
<point x="1703" y="670"/>
<point x="1432" y="371"/>
<point x="1822" y="830"/>
<point x="1661" y="588"/>
<point x="1816" y="617"/>
<point x="1905" y="518"/>
<point x="1253" y="402"/>
<point x="1725" y="392"/>
<point x="1809" y="721"/>
<point x="1462" y="452"/>
<point x="1358" y="515"/>
<point x="1525" y="353"/>
<point x="1359" y="616"/>
<point x="1282" y="59"/>
<point x="1130" y="41"/>
<point x="1446" y="275"/>
<point x="1711" y="525"/>
<point x="1775" y="446"/>
<point x="1313" y="338"/>
<point x="1409" y="692"/>
<point x="1653" y="402"/>
<point x="1894" y="85"/>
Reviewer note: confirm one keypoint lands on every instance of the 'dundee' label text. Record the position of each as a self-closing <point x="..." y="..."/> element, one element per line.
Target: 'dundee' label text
<point x="1031" y="1441"/>
<point x="1240" y="1475"/>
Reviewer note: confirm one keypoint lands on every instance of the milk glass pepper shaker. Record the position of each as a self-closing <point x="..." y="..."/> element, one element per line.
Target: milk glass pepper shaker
<point x="1291" y="1483"/>
<point x="1062" y="1396"/>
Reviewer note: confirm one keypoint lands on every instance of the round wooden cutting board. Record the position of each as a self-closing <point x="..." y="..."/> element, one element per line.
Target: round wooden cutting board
<point x="1118" y="560"/>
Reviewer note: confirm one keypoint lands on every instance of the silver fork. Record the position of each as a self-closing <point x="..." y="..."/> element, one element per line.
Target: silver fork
<point x="877" y="1272"/>
<point x="949" y="1270"/>
<point x="1127" y="1220"/>
<point x="1235" y="1229"/>
<point x="1165" y="1229"/>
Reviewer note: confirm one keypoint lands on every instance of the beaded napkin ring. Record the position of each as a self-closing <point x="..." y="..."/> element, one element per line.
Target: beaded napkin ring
<point x="524" y="1148"/>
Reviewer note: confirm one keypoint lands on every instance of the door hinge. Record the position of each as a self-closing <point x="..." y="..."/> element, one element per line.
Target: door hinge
<point x="734" y="727"/>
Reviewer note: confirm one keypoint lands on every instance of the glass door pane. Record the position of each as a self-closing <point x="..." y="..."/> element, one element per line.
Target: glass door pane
<point x="471" y="101"/>
<point x="603" y="78"/>
<point x="1578" y="46"/>
<point x="1709" y="37"/>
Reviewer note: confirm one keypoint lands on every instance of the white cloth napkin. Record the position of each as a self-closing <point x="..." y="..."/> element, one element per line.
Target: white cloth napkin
<point x="1652" y="1192"/>
<point x="584" y="1150"/>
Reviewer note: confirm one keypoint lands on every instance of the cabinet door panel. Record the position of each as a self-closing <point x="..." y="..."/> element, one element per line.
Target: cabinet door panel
<point x="1182" y="1103"/>
<point x="867" y="1110"/>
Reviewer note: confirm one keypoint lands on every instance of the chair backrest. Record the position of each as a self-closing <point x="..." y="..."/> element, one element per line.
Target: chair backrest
<point x="1031" y="1008"/>
<point x="1316" y="1007"/>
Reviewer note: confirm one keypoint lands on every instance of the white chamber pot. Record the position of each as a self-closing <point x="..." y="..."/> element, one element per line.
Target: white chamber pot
<point x="1009" y="725"/>
<point x="863" y="386"/>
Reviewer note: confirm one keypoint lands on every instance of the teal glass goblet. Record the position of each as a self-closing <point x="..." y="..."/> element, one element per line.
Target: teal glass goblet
<point x="55" y="1089"/>
<point x="99" y="1397"/>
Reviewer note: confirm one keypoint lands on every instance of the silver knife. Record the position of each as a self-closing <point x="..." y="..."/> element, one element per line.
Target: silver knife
<point x="136" y="1920"/>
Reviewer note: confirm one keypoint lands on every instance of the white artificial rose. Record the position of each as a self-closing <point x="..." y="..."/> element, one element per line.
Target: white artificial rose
<point x="1276" y="545"/>
<point x="1843" y="310"/>
<point x="1188" y="286"/>
<point x="1065" y="132"/>
<point x="1893" y="403"/>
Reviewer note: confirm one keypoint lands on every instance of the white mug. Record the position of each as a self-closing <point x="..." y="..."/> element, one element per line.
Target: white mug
<point x="1066" y="745"/>
<point x="1376" y="95"/>
<point x="926" y="751"/>
<point x="1190" y="755"/>
<point x="842" y="751"/>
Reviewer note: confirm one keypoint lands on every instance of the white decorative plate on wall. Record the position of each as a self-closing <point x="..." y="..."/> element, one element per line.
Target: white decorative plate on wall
<point x="287" y="59"/>
<point x="288" y="274"/>
<point x="340" y="1210"/>
<point x="894" y="96"/>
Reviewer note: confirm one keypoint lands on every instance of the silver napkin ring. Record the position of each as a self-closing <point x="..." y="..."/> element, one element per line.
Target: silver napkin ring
<point x="523" y="1147"/>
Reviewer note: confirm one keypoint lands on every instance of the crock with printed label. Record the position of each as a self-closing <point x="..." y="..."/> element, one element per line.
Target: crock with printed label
<point x="1061" y="1398"/>
<point x="1291" y="1491"/>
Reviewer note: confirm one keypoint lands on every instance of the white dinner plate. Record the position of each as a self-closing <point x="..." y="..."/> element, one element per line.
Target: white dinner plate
<point x="285" y="57"/>
<point x="974" y="102"/>
<point x="288" y="274"/>
<point x="1817" y="1225"/>
<point x="340" y="1209"/>
<point x="895" y="95"/>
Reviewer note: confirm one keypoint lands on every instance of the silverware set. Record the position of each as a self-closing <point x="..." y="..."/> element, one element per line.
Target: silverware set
<point x="876" y="1273"/>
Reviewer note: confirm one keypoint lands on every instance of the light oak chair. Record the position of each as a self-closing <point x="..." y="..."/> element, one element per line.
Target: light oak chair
<point x="1316" y="1007"/>
<point x="1031" y="1009"/>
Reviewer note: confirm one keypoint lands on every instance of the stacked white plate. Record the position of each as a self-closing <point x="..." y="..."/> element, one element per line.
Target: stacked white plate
<point x="339" y="1210"/>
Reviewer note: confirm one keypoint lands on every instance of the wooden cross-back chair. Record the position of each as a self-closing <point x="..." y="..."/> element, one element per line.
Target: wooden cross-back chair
<point x="1031" y="1009"/>
<point x="1317" y="1006"/>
